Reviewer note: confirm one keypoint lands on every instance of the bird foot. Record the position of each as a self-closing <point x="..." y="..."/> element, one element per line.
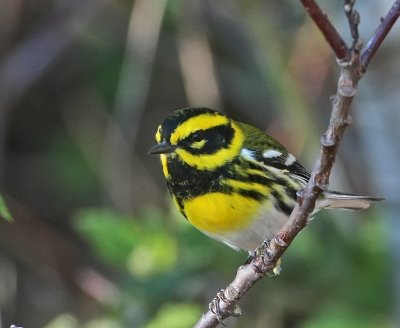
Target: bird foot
<point x="215" y="307"/>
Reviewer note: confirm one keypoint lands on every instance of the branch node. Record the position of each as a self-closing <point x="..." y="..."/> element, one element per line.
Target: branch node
<point x="300" y="196"/>
<point x="346" y="87"/>
<point x="356" y="17"/>
<point x="215" y="306"/>
<point x="344" y="63"/>
<point x="279" y="240"/>
<point x="216" y="310"/>
<point x="258" y="267"/>
<point x="347" y="121"/>
<point x="236" y="312"/>
<point x="231" y="293"/>
<point x="347" y="8"/>
<point x="264" y="261"/>
<point x="320" y="184"/>
<point x="327" y="140"/>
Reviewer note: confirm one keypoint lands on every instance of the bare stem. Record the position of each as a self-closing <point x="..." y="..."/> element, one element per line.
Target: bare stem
<point x="380" y="34"/>
<point x="331" y="35"/>
<point x="353" y="17"/>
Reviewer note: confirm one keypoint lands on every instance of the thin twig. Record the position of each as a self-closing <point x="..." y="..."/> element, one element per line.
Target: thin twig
<point x="353" y="17"/>
<point x="331" y="35"/>
<point x="225" y="303"/>
<point x="380" y="34"/>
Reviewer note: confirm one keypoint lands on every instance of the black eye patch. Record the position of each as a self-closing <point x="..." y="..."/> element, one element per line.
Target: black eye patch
<point x="196" y="136"/>
<point x="217" y="138"/>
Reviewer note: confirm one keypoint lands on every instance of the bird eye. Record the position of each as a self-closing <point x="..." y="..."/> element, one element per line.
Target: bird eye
<point x="197" y="136"/>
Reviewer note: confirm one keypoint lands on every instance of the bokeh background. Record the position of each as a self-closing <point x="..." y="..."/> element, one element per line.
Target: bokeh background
<point x="95" y="241"/>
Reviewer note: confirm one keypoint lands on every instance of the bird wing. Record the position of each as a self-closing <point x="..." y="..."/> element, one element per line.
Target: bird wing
<point x="277" y="161"/>
<point x="267" y="152"/>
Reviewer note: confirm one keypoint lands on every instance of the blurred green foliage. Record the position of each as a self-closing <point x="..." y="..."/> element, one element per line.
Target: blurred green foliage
<point x="4" y="211"/>
<point x="332" y="277"/>
<point x="176" y="316"/>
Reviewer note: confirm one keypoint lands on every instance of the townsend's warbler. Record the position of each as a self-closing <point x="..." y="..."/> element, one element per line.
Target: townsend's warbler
<point x="232" y="181"/>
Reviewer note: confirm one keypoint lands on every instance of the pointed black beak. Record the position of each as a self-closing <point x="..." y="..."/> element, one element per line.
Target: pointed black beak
<point x="161" y="148"/>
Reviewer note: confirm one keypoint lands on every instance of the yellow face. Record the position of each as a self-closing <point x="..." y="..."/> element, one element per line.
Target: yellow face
<point x="201" y="138"/>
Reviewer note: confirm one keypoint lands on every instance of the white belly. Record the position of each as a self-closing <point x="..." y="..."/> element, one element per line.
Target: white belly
<point x="264" y="226"/>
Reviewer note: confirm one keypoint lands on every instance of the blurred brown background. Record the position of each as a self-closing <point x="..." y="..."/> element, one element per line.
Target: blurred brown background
<point x="95" y="242"/>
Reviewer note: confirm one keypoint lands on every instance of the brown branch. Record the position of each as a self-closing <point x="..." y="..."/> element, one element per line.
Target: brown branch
<point x="225" y="303"/>
<point x="380" y="34"/>
<point x="331" y="35"/>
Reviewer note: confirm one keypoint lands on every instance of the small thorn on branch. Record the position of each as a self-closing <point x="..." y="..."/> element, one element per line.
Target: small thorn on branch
<point x="347" y="121"/>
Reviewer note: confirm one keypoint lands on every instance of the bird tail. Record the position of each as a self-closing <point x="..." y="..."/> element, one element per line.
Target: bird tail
<point x="334" y="199"/>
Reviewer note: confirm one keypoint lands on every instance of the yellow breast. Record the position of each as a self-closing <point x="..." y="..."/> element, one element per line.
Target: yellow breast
<point x="219" y="212"/>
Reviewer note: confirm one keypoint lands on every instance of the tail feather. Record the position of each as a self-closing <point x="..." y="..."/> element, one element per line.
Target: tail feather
<point x="334" y="199"/>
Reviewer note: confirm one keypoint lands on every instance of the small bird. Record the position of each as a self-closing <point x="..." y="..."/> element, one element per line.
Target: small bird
<point x="232" y="181"/>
